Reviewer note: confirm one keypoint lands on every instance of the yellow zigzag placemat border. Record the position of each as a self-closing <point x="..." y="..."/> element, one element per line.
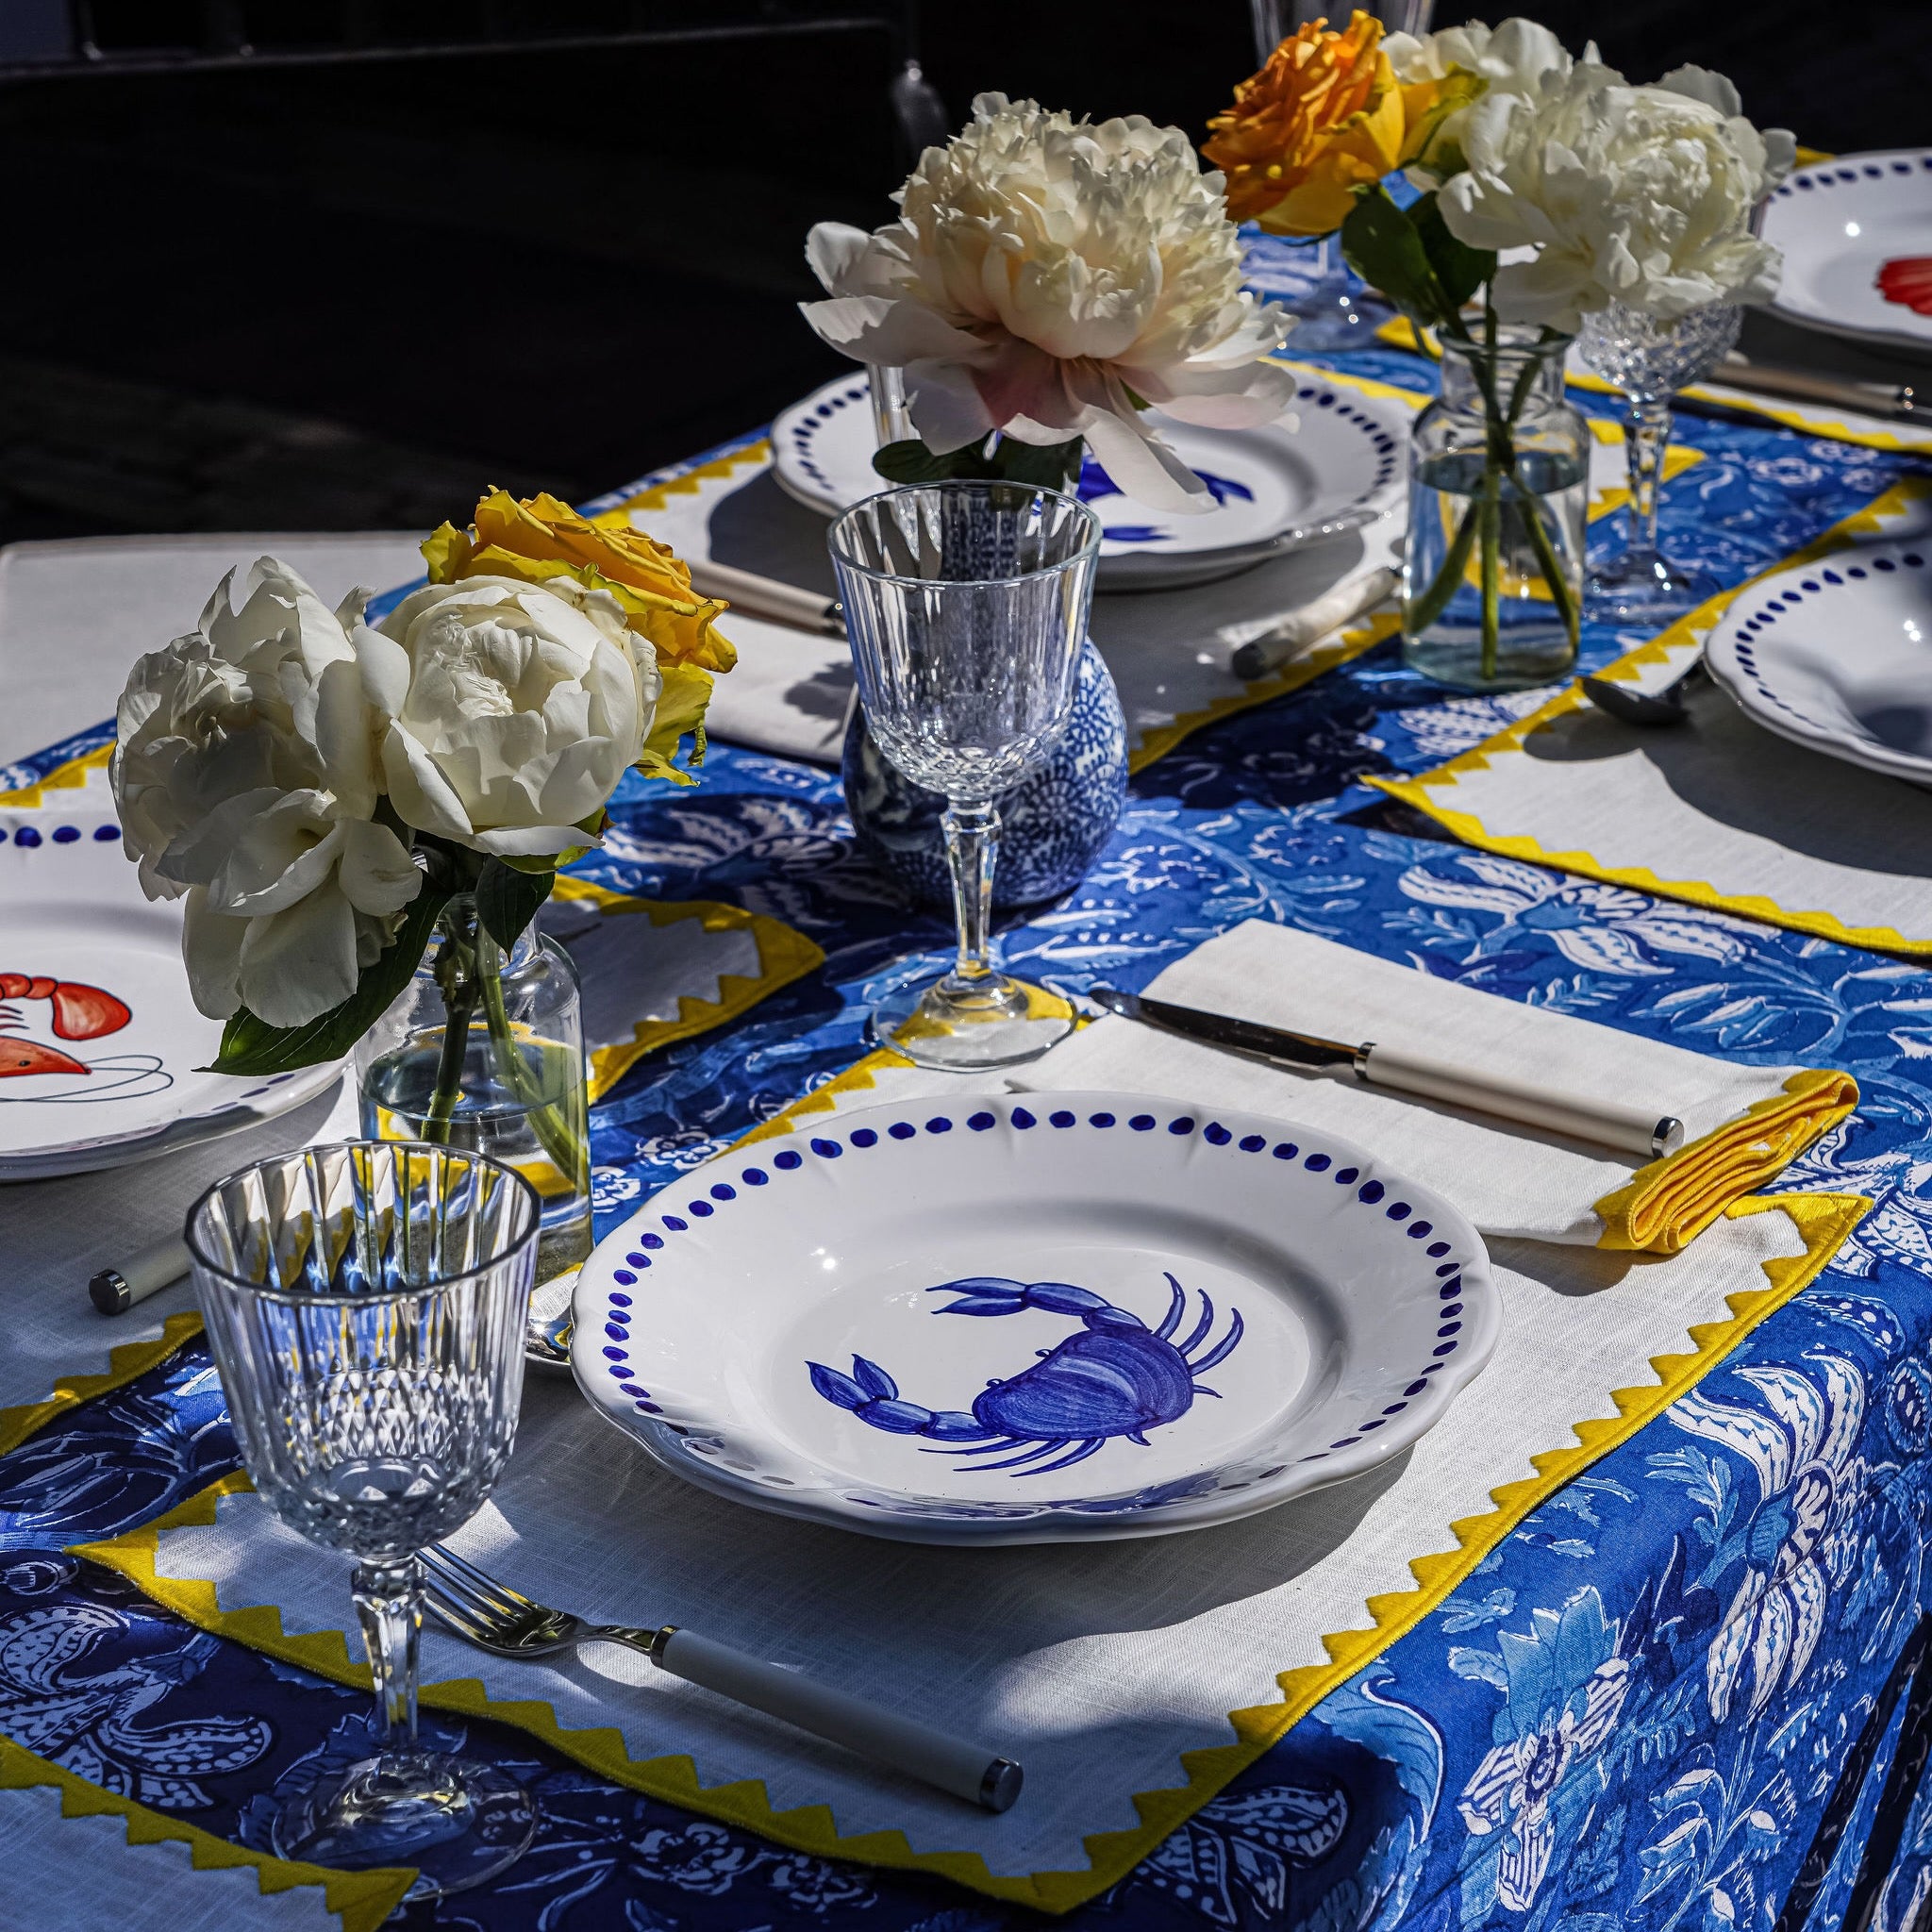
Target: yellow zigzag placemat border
<point x="784" y="955"/>
<point x="70" y="776"/>
<point x="124" y="1363"/>
<point x="1422" y="790"/>
<point x="1400" y="333"/>
<point x="361" y="1900"/>
<point x="1823" y="1220"/>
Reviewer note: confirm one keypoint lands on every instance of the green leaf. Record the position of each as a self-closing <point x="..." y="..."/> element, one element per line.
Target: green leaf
<point x="1459" y="270"/>
<point x="912" y="462"/>
<point x="507" y="898"/>
<point x="254" y="1047"/>
<point x="1383" y="247"/>
<point x="1045" y="466"/>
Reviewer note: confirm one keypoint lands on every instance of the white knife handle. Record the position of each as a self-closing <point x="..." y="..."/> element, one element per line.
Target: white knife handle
<point x="1636" y="1130"/>
<point x="967" y="1771"/>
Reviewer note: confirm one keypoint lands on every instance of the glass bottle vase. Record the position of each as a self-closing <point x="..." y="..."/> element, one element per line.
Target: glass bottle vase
<point x="484" y="1050"/>
<point x="1499" y="487"/>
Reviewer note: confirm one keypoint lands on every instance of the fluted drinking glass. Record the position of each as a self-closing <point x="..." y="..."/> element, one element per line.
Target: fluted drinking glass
<point x="966" y="604"/>
<point x="366" y="1304"/>
<point x="1650" y="362"/>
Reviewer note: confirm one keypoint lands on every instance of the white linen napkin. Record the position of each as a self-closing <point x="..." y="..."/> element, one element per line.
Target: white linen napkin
<point x="1508" y="1179"/>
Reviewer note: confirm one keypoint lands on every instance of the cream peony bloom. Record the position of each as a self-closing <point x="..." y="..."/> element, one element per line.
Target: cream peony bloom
<point x="1045" y="275"/>
<point x="512" y="709"/>
<point x="1510" y="60"/>
<point x="245" y="776"/>
<point x="1642" y="196"/>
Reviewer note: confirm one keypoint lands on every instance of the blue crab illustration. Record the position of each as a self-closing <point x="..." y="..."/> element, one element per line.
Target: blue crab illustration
<point x="1116" y="1378"/>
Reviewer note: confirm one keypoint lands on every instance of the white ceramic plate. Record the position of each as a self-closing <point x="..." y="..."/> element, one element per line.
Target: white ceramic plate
<point x="1838" y="655"/>
<point x="99" y="1040"/>
<point x="1174" y="1317"/>
<point x="1277" y="488"/>
<point x="1839" y="224"/>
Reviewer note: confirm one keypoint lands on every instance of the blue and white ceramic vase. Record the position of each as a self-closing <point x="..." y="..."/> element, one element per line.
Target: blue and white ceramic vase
<point x="1051" y="825"/>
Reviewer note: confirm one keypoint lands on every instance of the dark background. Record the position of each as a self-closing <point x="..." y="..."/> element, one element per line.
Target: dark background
<point x="347" y="295"/>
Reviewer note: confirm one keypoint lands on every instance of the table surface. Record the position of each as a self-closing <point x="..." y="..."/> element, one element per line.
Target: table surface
<point x="1637" y="1707"/>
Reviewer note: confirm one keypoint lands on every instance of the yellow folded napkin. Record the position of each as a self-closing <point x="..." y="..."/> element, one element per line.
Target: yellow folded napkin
<point x="1742" y="1123"/>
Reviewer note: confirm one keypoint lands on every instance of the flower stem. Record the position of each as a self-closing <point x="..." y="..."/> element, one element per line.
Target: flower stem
<point x="1492" y="534"/>
<point x="455" y="975"/>
<point x="1443" y="587"/>
<point x="552" y="1121"/>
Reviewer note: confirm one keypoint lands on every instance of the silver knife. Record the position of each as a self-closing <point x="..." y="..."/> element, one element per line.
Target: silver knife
<point x="1629" y="1129"/>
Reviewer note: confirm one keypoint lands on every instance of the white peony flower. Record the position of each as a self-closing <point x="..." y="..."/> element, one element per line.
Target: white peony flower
<point x="513" y="710"/>
<point x="245" y="776"/>
<point x="1642" y="196"/>
<point x="1044" y="272"/>
<point x="1510" y="60"/>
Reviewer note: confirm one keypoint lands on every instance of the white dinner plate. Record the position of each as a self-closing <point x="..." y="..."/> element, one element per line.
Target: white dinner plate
<point x="1838" y="655"/>
<point x="1033" y="1317"/>
<point x="1275" y="488"/>
<point x="1837" y="224"/>
<point x="99" y="1040"/>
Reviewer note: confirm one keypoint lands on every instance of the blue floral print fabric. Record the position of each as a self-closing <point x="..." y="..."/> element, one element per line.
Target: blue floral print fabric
<point x="1637" y="1712"/>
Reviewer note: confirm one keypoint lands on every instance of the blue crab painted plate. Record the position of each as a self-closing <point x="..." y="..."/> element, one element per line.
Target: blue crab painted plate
<point x="1275" y="489"/>
<point x="1032" y="1318"/>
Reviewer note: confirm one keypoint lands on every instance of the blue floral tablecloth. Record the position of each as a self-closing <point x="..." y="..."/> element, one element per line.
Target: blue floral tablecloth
<point x="1633" y="1715"/>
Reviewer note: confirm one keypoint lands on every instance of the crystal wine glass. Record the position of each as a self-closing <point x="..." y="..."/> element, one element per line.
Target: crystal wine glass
<point x="1650" y="360"/>
<point x="366" y="1304"/>
<point x="966" y="605"/>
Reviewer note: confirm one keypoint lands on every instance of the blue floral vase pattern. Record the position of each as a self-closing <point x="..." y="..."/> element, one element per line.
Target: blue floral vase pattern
<point x="1052" y="825"/>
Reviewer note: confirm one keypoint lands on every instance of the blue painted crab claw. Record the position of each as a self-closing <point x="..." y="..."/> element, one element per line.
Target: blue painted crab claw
<point x="993" y="1294"/>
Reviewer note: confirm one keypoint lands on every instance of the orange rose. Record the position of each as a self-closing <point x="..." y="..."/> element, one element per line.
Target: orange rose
<point x="544" y="538"/>
<point x="1323" y="117"/>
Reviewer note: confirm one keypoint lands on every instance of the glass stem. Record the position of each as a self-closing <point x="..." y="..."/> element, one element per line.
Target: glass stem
<point x="1646" y="438"/>
<point x="389" y="1601"/>
<point x="972" y="837"/>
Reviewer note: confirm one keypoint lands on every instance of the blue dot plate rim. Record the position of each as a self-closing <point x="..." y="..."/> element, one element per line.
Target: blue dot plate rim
<point x="1182" y="1316"/>
<point x="1349" y="457"/>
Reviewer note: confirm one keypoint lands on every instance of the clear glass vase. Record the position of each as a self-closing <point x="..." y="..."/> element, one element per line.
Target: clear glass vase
<point x="1499" y="486"/>
<point x="484" y="1051"/>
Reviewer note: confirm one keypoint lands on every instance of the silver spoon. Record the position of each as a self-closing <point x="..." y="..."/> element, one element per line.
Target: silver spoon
<point x="1646" y="708"/>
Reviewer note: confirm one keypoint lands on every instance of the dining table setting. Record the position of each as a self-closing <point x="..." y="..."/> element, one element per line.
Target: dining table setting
<point x="1132" y="1130"/>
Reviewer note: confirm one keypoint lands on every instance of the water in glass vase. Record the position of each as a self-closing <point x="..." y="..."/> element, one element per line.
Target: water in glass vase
<point x="526" y="1109"/>
<point x="1533" y="642"/>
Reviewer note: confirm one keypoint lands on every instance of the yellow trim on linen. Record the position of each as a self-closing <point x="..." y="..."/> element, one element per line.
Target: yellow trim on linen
<point x="1400" y="333"/>
<point x="687" y="482"/>
<point x="124" y="1363"/>
<point x="1684" y="635"/>
<point x="1824" y="1220"/>
<point x="1363" y="635"/>
<point x="70" y="776"/>
<point x="784" y="955"/>
<point x="361" y="1900"/>
<point x="1661" y="1209"/>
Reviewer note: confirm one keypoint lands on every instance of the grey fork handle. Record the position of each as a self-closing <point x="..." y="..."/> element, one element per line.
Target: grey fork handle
<point x="967" y="1771"/>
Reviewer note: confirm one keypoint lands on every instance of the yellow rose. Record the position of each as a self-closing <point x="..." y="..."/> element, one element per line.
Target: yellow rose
<point x="541" y="537"/>
<point x="1323" y="117"/>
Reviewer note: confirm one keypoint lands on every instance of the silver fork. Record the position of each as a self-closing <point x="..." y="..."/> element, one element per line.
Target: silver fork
<point x="498" y="1619"/>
